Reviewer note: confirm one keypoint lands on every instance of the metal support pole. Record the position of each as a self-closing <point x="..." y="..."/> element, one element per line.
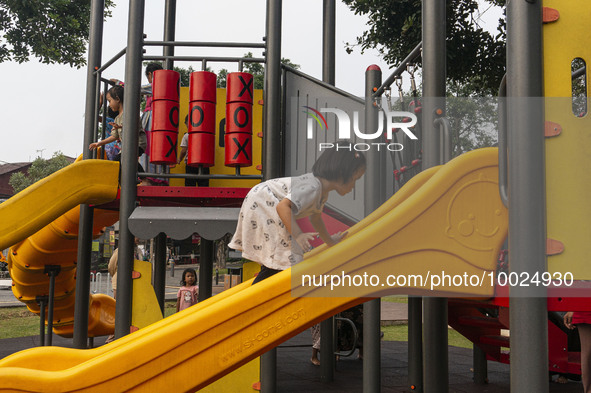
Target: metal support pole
<point x="133" y="73"/>
<point x="86" y="213"/>
<point x="272" y="140"/>
<point x="435" y="357"/>
<point x="160" y="270"/>
<point x="480" y="366"/>
<point x="415" y="343"/>
<point x="169" y="32"/>
<point x="206" y="257"/>
<point x="41" y="301"/>
<point x="272" y="144"/>
<point x="82" y="296"/>
<point x="527" y="191"/>
<point x="328" y="41"/>
<point x="52" y="271"/>
<point x="373" y="199"/>
<point x="327" y="357"/>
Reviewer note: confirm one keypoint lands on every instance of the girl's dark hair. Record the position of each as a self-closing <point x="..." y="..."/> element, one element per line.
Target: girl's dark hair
<point x="116" y="92"/>
<point x="151" y="67"/>
<point x="188" y="270"/>
<point x="338" y="165"/>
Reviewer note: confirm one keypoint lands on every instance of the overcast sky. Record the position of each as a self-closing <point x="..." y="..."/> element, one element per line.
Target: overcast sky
<point x="43" y="106"/>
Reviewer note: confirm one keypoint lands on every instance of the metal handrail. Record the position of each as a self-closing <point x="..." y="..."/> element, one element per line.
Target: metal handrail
<point x="416" y="52"/>
<point x="261" y="45"/>
<point x="113" y="60"/>
<point x="503" y="164"/>
<point x="227" y="59"/>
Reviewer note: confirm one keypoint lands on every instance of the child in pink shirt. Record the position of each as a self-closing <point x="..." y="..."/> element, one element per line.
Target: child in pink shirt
<point x="189" y="292"/>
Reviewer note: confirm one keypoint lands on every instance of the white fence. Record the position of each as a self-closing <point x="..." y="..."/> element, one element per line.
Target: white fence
<point x="101" y="283"/>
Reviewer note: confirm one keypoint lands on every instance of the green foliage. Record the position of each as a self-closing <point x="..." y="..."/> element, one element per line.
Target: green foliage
<point x="55" y="31"/>
<point x="256" y="69"/>
<point x="39" y="169"/>
<point x="473" y="119"/>
<point x="473" y="54"/>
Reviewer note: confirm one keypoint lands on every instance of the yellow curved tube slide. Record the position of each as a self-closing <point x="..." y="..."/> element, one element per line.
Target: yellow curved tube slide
<point x="460" y="221"/>
<point x="48" y="213"/>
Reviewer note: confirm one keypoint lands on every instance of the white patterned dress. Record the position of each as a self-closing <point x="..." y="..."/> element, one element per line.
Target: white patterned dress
<point x="260" y="234"/>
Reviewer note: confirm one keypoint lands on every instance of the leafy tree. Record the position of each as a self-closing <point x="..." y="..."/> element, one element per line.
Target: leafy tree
<point x="55" y="31"/>
<point x="473" y="119"/>
<point x="256" y="69"/>
<point x="39" y="169"/>
<point x="473" y="54"/>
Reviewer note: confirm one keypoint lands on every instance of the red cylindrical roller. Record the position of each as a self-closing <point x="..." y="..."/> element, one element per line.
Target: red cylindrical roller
<point x="239" y="117"/>
<point x="202" y="116"/>
<point x="239" y="87"/>
<point x="238" y="149"/>
<point x="202" y="86"/>
<point x="166" y="85"/>
<point x="165" y="115"/>
<point x="163" y="147"/>
<point x="201" y="149"/>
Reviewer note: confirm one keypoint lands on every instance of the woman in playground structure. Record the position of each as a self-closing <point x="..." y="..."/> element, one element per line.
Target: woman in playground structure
<point x="115" y="99"/>
<point x="189" y="292"/>
<point x="582" y="321"/>
<point x="267" y="226"/>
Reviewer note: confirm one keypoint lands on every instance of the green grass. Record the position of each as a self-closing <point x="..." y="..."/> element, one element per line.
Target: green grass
<point x="18" y="322"/>
<point x="395" y="299"/>
<point x="400" y="333"/>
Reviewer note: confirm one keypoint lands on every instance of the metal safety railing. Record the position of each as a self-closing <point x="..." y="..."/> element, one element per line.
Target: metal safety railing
<point x="101" y="283"/>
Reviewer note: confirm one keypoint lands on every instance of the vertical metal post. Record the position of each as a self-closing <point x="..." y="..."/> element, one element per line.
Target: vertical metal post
<point x="272" y="144"/>
<point x="129" y="157"/>
<point x="86" y="212"/>
<point x="51" y="271"/>
<point x="272" y="140"/>
<point x="415" y="343"/>
<point x="373" y="199"/>
<point x="327" y="357"/>
<point x="206" y="257"/>
<point x="160" y="270"/>
<point x="435" y="357"/>
<point x="169" y="31"/>
<point x="480" y="366"/>
<point x="328" y="41"/>
<point x="42" y="301"/>
<point x="527" y="191"/>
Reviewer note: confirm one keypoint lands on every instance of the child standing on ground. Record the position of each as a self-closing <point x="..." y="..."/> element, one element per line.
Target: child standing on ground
<point x="189" y="293"/>
<point x="267" y="228"/>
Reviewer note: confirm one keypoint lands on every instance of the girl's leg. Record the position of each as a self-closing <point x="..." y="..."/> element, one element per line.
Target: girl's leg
<point x="585" y="335"/>
<point x="315" y="344"/>
<point x="265" y="273"/>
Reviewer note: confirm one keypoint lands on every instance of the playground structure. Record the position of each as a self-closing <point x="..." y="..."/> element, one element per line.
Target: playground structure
<point x="527" y="237"/>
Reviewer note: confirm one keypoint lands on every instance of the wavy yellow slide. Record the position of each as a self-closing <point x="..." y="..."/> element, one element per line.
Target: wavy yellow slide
<point x="454" y="221"/>
<point x="46" y="215"/>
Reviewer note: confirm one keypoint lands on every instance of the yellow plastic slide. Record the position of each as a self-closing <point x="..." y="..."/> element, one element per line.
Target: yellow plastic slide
<point x="454" y="221"/>
<point x="46" y="215"/>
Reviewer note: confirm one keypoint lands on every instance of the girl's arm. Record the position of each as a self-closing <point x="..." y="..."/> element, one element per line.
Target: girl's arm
<point x="303" y="239"/>
<point x="103" y="142"/>
<point x="177" y="304"/>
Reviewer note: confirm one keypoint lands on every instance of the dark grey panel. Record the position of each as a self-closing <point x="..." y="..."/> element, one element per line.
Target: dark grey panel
<point x="301" y="153"/>
<point x="181" y="222"/>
